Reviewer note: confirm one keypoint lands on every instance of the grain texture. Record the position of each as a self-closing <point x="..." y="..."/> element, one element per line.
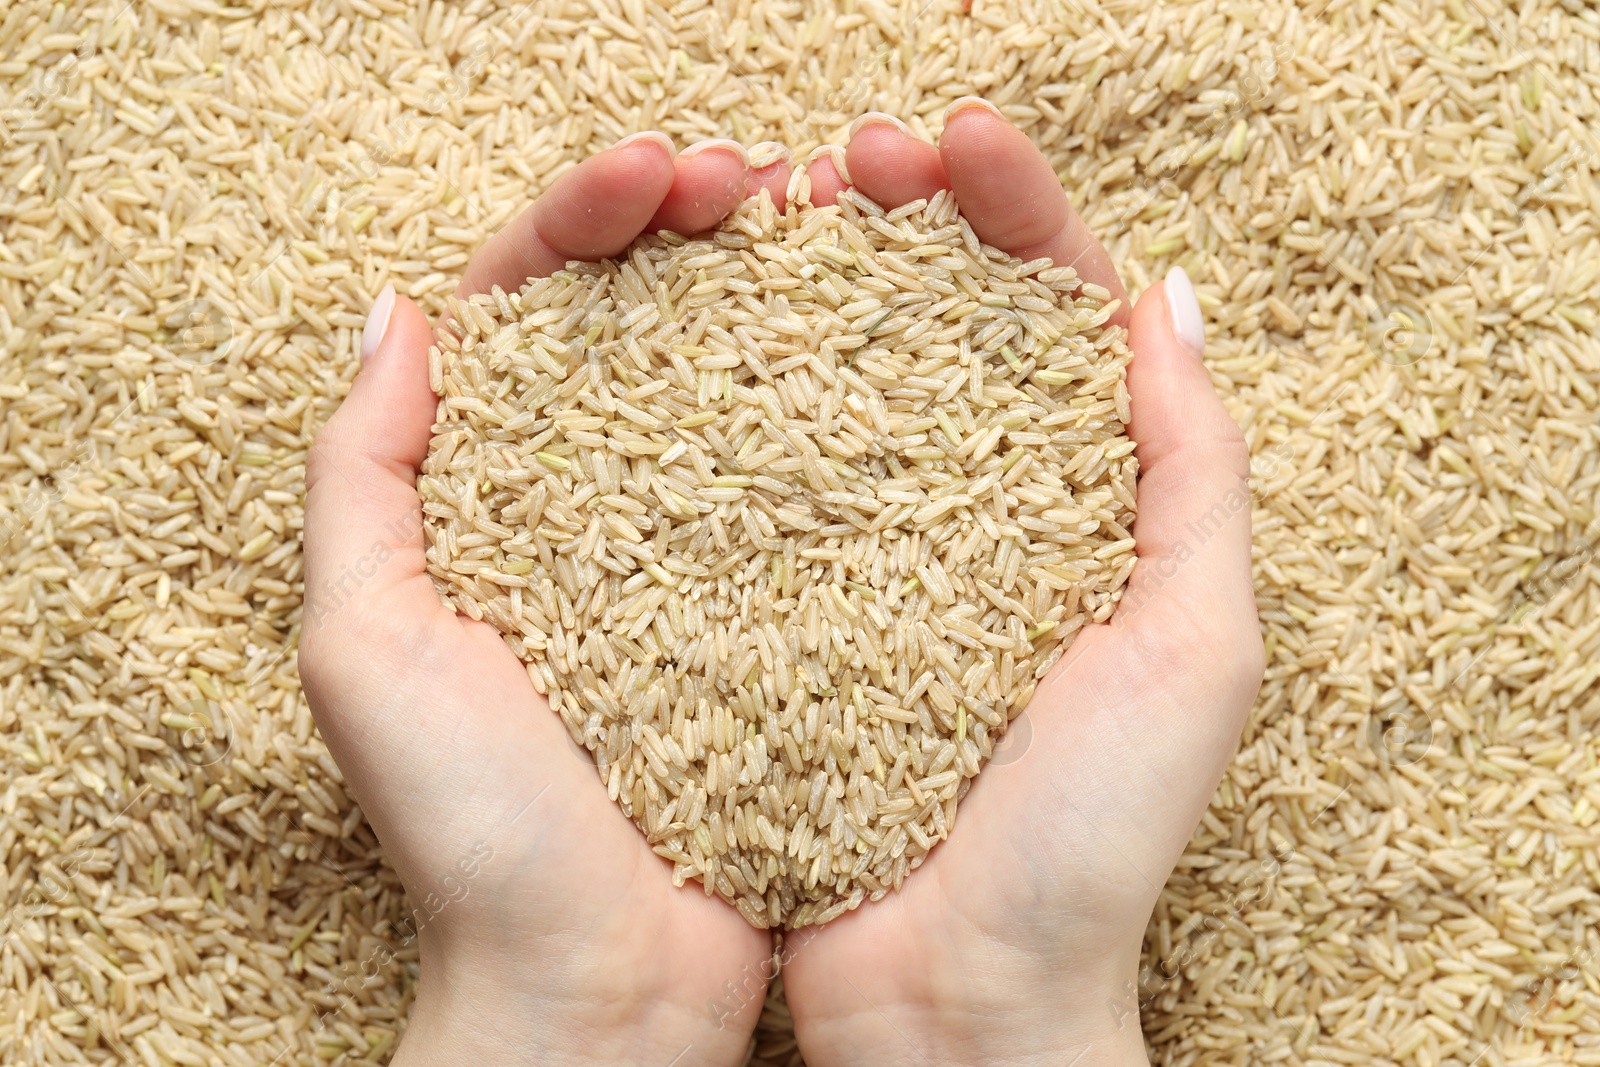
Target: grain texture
<point x="788" y="520"/>
<point x="1389" y="212"/>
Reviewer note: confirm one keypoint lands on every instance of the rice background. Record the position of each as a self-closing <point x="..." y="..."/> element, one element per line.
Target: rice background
<point x="1389" y="212"/>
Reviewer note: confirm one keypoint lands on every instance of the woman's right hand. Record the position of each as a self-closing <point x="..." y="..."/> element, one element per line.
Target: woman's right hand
<point x="550" y="931"/>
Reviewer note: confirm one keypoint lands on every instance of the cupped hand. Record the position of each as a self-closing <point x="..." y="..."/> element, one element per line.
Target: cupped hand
<point x="1018" y="940"/>
<point x="549" y="930"/>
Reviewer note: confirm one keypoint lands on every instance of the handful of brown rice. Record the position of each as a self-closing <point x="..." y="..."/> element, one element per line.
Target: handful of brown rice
<point x="788" y="520"/>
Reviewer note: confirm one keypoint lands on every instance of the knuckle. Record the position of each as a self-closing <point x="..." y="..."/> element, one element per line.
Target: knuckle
<point x="1174" y="643"/>
<point x="1234" y="453"/>
<point x="350" y="645"/>
<point x="326" y="642"/>
<point x="319" y="459"/>
<point x="1190" y="648"/>
<point x="316" y="663"/>
<point x="1249" y="665"/>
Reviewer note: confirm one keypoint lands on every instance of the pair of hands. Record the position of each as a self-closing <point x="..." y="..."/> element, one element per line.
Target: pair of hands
<point x="564" y="940"/>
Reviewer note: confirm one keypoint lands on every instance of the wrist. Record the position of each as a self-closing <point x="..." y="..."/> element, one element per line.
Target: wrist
<point x="493" y="1012"/>
<point x="1036" y="1016"/>
<point x="968" y="1041"/>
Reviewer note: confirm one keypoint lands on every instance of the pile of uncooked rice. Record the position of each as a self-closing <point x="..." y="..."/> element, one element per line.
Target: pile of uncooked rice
<point x="1392" y="218"/>
<point x="788" y="520"/>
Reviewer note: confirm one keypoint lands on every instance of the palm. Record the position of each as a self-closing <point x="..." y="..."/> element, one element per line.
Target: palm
<point x="1061" y="851"/>
<point x="486" y="760"/>
<point x="536" y="897"/>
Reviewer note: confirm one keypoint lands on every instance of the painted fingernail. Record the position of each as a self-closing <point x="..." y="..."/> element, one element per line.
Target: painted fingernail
<point x="1184" y="309"/>
<point x="878" y="118"/>
<point x="655" y="137"/>
<point x="966" y="103"/>
<point x="765" y="154"/>
<point x="835" y="155"/>
<point x="717" y="144"/>
<point x="377" y="322"/>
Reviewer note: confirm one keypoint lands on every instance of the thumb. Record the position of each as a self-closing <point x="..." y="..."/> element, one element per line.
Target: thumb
<point x="363" y="524"/>
<point x="1192" y="580"/>
<point x="1158" y="696"/>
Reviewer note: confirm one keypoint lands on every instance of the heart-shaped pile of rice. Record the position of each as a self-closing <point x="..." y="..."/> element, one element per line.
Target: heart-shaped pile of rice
<point x="787" y="520"/>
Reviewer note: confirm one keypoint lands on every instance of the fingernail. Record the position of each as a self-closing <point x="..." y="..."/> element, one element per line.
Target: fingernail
<point x="967" y="103"/>
<point x="835" y="155"/>
<point x="1184" y="308"/>
<point x="717" y="144"/>
<point x="878" y="118"/>
<point x="655" y="137"/>
<point x="377" y="322"/>
<point x="765" y="154"/>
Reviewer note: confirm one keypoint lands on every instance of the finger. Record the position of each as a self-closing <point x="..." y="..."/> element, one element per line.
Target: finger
<point x="769" y="170"/>
<point x="363" y="519"/>
<point x="829" y="174"/>
<point x="1151" y="705"/>
<point x="889" y="164"/>
<point x="1010" y="194"/>
<point x="593" y="211"/>
<point x="1193" y="524"/>
<point x="709" y="181"/>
